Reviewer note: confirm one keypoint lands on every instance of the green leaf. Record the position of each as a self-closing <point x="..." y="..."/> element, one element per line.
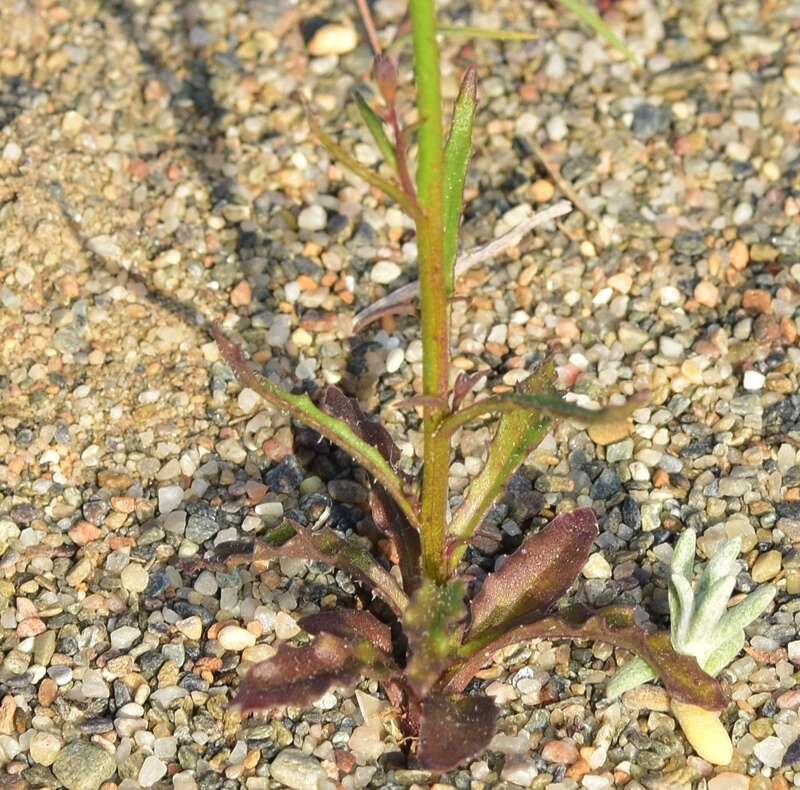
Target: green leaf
<point x="433" y="622"/>
<point x="744" y="613"/>
<point x="465" y="31"/>
<point x="592" y="20"/>
<point x="339" y="432"/>
<point x="720" y="657"/>
<point x="457" y="151"/>
<point x="681" y="606"/>
<point x="518" y="434"/>
<point x="615" y="625"/>
<point x="631" y="674"/>
<point x="375" y="126"/>
<point x="537" y="574"/>
<point x="707" y="614"/>
<point x="722" y="564"/>
<point x="683" y="555"/>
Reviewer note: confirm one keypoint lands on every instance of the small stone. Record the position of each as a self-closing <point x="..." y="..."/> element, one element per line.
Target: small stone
<point x="770" y="751"/>
<point x="605" y="433"/>
<point x="542" y="191"/>
<point x="190" y="627"/>
<point x="235" y="638"/>
<point x="123" y="637"/>
<point x="756" y="300"/>
<point x="597" y="567"/>
<point x="740" y="255"/>
<point x="563" y="752"/>
<point x="789" y="699"/>
<point x="44" y="747"/>
<point x="648" y="697"/>
<point x="729" y="781"/>
<point x="556" y="128"/>
<point x="632" y="338"/>
<point x="83" y="766"/>
<point x="247" y="400"/>
<point x="650" y="120"/>
<point x="298" y="770"/>
<point x="152" y="771"/>
<point x="169" y="497"/>
<point x="134" y="578"/>
<point x="766" y="567"/>
<point x="242" y="294"/>
<point x="753" y="380"/>
<point x="619" y="451"/>
<point x="519" y="770"/>
<point x="706" y="293"/>
<point x="12" y="152"/>
<point x="366" y="742"/>
<point x="285" y="626"/>
<point x="72" y="123"/>
<point x="385" y="272"/>
<point x="312" y="218"/>
<point x="333" y="39"/>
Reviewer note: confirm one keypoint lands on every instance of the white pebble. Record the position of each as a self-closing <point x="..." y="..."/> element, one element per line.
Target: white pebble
<point x="556" y="128"/>
<point x="385" y="272"/>
<point x="247" y="400"/>
<point x="12" y="152"/>
<point x="169" y="497"/>
<point x="236" y="638"/>
<point x="753" y="380"/>
<point x="312" y="218"/>
<point x="394" y="359"/>
<point x="151" y="771"/>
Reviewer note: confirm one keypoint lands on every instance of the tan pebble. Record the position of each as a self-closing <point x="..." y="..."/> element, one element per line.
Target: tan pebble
<point x="648" y="697"/>
<point x="578" y="769"/>
<point x="48" y="691"/>
<point x="622" y="282"/>
<point x="134" y="578"/>
<point x="766" y="567"/>
<point x="740" y="256"/>
<point x="190" y="627"/>
<point x="756" y="300"/>
<point x="704" y="731"/>
<point x="8" y="708"/>
<point x="285" y="626"/>
<point x="333" y="39"/>
<point x="706" y="293"/>
<point x="123" y="504"/>
<point x="242" y="294"/>
<point x="542" y="191"/>
<point x="729" y="781"/>
<point x="607" y="433"/>
<point x="84" y="532"/>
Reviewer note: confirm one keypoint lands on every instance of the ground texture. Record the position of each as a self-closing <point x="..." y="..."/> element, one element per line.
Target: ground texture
<point x="156" y="172"/>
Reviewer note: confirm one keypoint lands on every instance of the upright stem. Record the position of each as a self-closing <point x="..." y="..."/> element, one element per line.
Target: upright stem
<point x="434" y="308"/>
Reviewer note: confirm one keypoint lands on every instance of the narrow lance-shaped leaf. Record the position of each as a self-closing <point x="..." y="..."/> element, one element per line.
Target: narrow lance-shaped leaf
<point x="390" y="520"/>
<point x="615" y="625"/>
<point x="681" y="607"/>
<point x="536" y="575"/>
<point x="456" y="161"/>
<point x="298" y="676"/>
<point x="453" y="730"/>
<point x="707" y="613"/>
<point x="375" y="126"/>
<point x="301" y="408"/>
<point x="433" y="623"/>
<point x="741" y="615"/>
<point x="518" y="433"/>
<point x="721" y="564"/>
<point x="326" y="546"/>
<point x="683" y="556"/>
<point x="592" y="20"/>
<point x="349" y="624"/>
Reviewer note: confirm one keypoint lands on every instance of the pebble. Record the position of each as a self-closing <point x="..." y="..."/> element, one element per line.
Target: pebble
<point x="169" y="497"/>
<point x="519" y="770"/>
<point x="766" y="567"/>
<point x="298" y="770"/>
<point x="753" y="380"/>
<point x="81" y="765"/>
<point x="236" y="638"/>
<point x="597" y="567"/>
<point x="44" y="747"/>
<point x="153" y="770"/>
<point x="333" y="39"/>
<point x="134" y="578"/>
<point x="563" y="752"/>
<point x="312" y="218"/>
<point x="385" y="272"/>
<point x="770" y="751"/>
<point x="729" y="781"/>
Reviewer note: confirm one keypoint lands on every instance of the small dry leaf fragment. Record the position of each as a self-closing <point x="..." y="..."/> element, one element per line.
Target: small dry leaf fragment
<point x="704" y="730"/>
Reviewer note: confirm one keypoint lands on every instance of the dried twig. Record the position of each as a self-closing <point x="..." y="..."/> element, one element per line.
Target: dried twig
<point x="468" y="260"/>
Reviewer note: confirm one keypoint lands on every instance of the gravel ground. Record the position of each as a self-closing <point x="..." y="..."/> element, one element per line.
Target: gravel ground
<point x="156" y="171"/>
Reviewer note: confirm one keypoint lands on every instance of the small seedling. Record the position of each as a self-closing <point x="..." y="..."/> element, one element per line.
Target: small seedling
<point x="436" y="628"/>
<point x="702" y="626"/>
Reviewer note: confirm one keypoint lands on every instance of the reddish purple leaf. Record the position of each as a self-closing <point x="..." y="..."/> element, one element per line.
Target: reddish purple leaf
<point x="349" y="624"/>
<point x="454" y="730"/>
<point x="390" y="520"/>
<point x="298" y="676"/>
<point x="326" y="546"/>
<point x="338" y="405"/>
<point x="464" y="385"/>
<point x="615" y="625"/>
<point x="537" y="574"/>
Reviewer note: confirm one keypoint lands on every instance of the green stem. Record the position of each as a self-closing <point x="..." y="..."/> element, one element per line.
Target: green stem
<point x="434" y="307"/>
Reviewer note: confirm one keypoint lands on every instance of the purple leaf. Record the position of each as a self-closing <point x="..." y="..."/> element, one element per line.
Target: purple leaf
<point x="454" y="730"/>
<point x="390" y="520"/>
<point x="537" y="574"/>
<point x="298" y="676"/>
<point x="326" y="546"/>
<point x="433" y="623"/>
<point x="338" y="405"/>
<point x="349" y="624"/>
<point x="615" y="625"/>
<point x="464" y="384"/>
